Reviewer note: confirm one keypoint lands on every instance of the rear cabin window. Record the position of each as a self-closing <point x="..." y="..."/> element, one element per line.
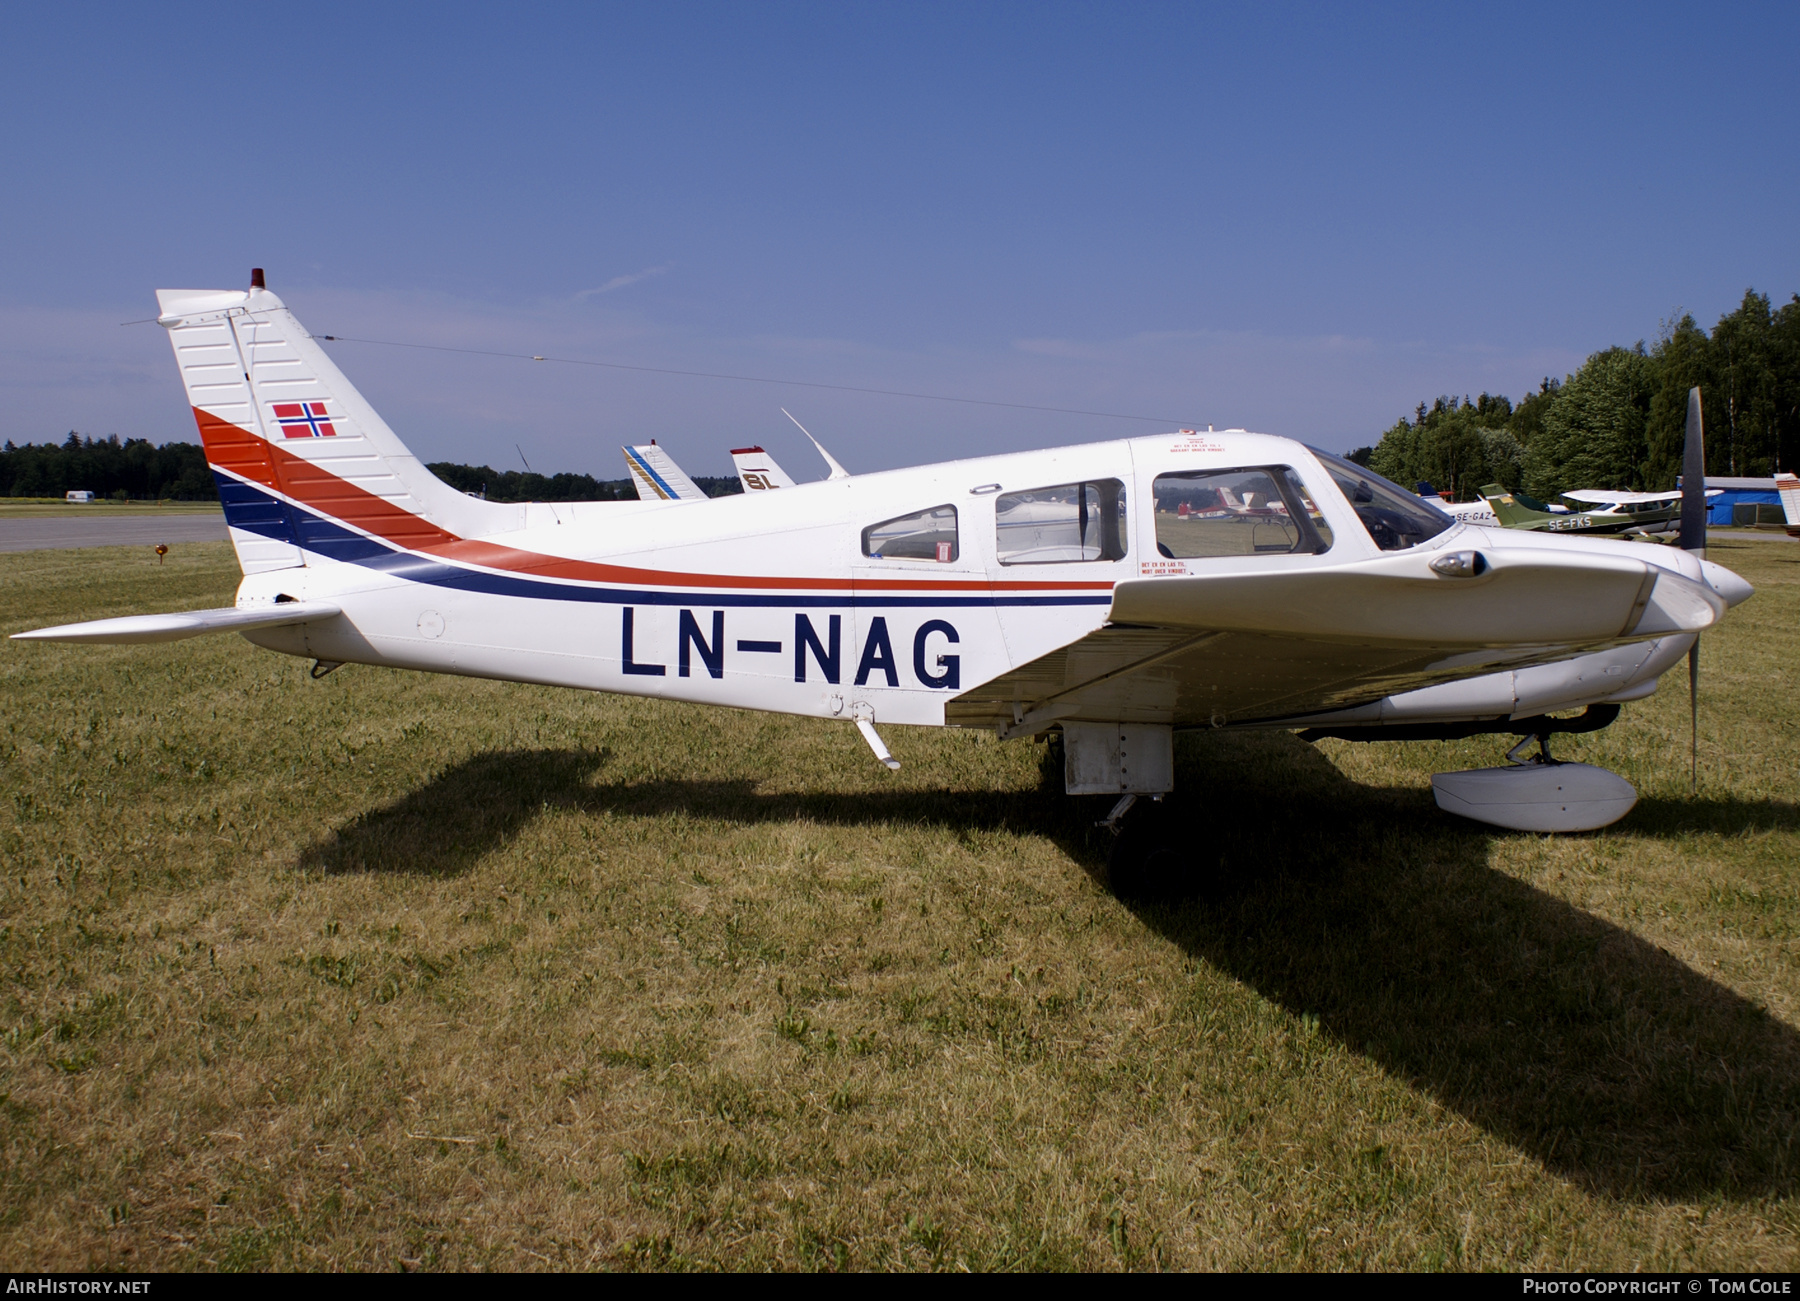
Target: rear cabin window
<point x="1264" y="510"/>
<point x="924" y="535"/>
<point x="1056" y="525"/>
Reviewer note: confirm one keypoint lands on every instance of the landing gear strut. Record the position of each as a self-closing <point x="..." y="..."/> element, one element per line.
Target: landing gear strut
<point x="1517" y="753"/>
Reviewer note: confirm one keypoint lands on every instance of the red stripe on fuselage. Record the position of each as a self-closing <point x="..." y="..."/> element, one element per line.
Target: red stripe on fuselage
<point x="240" y="452"/>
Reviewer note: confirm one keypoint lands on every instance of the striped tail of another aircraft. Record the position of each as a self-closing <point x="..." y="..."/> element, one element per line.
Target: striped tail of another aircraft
<point x="657" y="477"/>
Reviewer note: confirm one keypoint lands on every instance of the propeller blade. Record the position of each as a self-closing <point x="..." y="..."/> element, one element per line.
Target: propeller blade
<point x="1694" y="717"/>
<point x="1693" y="478"/>
<point x="1693" y="538"/>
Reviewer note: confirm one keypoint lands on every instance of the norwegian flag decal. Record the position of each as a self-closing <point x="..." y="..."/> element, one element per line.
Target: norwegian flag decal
<point x="304" y="420"/>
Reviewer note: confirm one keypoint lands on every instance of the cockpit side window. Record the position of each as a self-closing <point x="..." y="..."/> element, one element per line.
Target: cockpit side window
<point x="1067" y="522"/>
<point x="1259" y="510"/>
<point x="1396" y="519"/>
<point x="923" y="535"/>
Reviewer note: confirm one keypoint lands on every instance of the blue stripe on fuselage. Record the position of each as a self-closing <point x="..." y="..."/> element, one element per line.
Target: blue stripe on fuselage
<point x="332" y="540"/>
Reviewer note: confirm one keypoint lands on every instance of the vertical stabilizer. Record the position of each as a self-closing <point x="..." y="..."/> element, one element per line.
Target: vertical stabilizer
<point x="657" y="477"/>
<point x="1507" y="509"/>
<point x="1788" y="486"/>
<point x="304" y="465"/>
<point x="757" y="470"/>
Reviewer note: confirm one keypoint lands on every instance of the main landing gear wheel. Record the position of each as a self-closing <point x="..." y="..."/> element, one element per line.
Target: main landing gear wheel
<point x="1143" y="863"/>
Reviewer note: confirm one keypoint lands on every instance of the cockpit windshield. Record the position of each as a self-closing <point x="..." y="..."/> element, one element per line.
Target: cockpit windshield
<point x="1395" y="518"/>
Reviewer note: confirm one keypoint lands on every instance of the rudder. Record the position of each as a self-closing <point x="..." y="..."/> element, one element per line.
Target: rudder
<point x="303" y="463"/>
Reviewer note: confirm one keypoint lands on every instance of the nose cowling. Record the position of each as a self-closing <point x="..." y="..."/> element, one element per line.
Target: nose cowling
<point x="1732" y="589"/>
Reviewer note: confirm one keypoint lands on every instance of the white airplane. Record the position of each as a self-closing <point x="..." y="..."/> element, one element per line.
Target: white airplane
<point x="1788" y="487"/>
<point x="1648" y="512"/>
<point x="908" y="597"/>
<point x="1469" y="512"/>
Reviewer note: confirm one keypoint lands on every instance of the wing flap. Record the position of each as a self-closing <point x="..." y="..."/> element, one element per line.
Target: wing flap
<point x="138" y="629"/>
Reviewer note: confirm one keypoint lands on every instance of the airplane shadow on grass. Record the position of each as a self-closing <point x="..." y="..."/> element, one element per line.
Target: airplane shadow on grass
<point x="1592" y="1049"/>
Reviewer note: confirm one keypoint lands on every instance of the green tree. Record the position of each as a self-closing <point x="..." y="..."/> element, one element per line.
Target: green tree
<point x="1528" y="417"/>
<point x="1748" y="372"/>
<point x="1682" y="357"/>
<point x="1594" y="432"/>
<point x="1784" y="357"/>
<point x="1744" y="430"/>
<point x="1457" y="446"/>
<point x="107" y="466"/>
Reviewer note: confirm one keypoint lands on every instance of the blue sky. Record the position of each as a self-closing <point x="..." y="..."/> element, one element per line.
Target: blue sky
<point x="1297" y="219"/>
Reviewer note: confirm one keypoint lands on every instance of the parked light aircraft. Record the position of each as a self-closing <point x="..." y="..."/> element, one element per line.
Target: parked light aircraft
<point x="1057" y="591"/>
<point x="1619" y="512"/>
<point x="1648" y="512"/>
<point x="1469" y="512"/>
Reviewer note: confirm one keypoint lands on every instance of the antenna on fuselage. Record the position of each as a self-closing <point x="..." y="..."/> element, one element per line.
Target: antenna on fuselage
<point x="837" y="471"/>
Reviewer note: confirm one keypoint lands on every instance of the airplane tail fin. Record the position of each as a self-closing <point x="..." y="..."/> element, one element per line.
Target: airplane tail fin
<point x="757" y="470"/>
<point x="1788" y="486"/>
<point x="657" y="477"/>
<point x="1506" y="507"/>
<point x="303" y="463"/>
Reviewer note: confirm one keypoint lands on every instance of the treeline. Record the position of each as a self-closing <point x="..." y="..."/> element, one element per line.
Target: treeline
<point x="1619" y="421"/>
<point x="135" y="469"/>
<point x="516" y="485"/>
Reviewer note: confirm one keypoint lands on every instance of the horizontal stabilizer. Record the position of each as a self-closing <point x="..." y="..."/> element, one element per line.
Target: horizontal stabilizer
<point x="134" y="629"/>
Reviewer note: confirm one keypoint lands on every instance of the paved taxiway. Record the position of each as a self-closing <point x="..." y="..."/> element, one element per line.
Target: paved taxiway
<point x="109" y="531"/>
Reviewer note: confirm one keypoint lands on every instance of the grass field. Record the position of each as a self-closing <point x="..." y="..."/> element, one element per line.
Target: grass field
<point x="387" y="970"/>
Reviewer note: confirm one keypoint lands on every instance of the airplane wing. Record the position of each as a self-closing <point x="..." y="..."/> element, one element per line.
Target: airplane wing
<point x="135" y="629"/>
<point x="1235" y="648"/>
<point x="757" y="470"/>
<point x="656" y="476"/>
<point x="1601" y="497"/>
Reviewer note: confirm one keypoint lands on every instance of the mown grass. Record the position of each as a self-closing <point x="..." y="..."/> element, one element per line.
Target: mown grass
<point x="389" y="970"/>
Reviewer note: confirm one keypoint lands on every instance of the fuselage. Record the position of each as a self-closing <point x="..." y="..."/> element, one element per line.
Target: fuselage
<point x="773" y="601"/>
